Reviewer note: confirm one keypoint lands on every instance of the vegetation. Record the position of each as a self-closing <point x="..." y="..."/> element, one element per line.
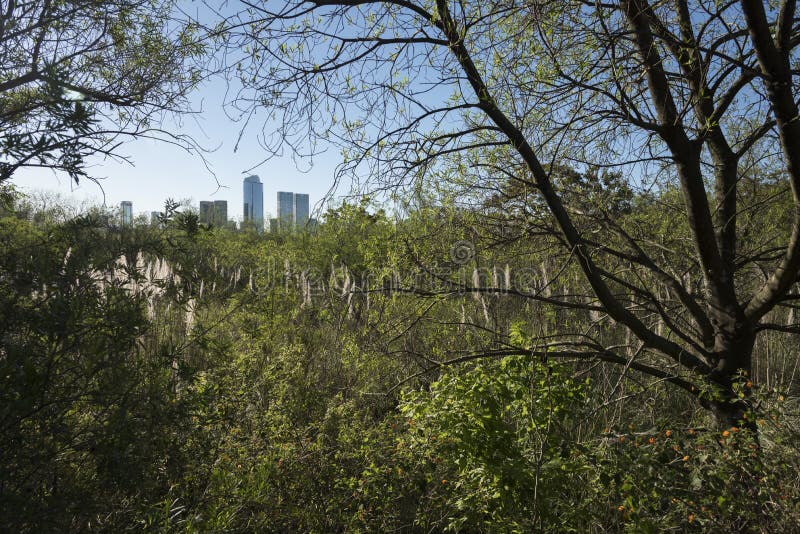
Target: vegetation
<point x="580" y="316"/>
<point x="547" y="104"/>
<point x="186" y="378"/>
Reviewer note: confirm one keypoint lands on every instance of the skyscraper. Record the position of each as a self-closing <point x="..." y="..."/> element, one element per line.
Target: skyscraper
<point x="254" y="202"/>
<point x="221" y="213"/>
<point x="300" y="209"/>
<point x="285" y="210"/>
<point x="206" y="214"/>
<point x="126" y="212"/>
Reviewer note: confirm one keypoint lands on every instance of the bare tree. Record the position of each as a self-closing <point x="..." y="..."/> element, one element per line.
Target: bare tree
<point x="696" y="96"/>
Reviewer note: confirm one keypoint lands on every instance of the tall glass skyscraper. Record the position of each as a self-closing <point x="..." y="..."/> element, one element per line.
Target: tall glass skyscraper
<point x="206" y="212"/>
<point x="126" y="212"/>
<point x="285" y="209"/>
<point x="221" y="213"/>
<point x="292" y="210"/>
<point x="300" y="209"/>
<point x="254" y="202"/>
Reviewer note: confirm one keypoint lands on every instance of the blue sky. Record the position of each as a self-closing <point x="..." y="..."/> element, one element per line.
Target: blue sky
<point x="160" y="170"/>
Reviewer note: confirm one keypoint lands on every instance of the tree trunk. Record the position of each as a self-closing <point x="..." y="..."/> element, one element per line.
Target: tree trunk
<point x="730" y="404"/>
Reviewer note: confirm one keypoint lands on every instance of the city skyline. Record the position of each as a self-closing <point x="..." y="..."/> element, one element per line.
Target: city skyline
<point x="295" y="207"/>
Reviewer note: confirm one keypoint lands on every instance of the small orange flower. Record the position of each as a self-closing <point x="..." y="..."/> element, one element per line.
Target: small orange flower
<point x="725" y="433"/>
<point x="668" y="433"/>
<point x="444" y="481"/>
<point x="622" y="439"/>
<point x="691" y="518"/>
<point x="734" y="429"/>
<point x="685" y="458"/>
<point x="691" y="431"/>
<point x="651" y="441"/>
<point x="749" y="384"/>
<point x="621" y="508"/>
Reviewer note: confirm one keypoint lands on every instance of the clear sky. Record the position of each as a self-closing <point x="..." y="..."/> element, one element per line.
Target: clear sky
<point x="160" y="170"/>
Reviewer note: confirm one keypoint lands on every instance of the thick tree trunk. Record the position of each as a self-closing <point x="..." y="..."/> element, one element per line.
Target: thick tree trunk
<point x="729" y="404"/>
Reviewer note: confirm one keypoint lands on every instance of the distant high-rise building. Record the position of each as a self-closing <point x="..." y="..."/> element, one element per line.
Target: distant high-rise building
<point x="155" y="218"/>
<point x="292" y="209"/>
<point x="220" y="213"/>
<point x="254" y="202"/>
<point x="285" y="209"/>
<point x="300" y="209"/>
<point x="206" y="215"/>
<point x="126" y="212"/>
<point x="214" y="212"/>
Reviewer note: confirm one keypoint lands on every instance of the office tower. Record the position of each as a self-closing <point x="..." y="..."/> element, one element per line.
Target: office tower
<point x="285" y="209"/>
<point x="220" y="213"/>
<point x="254" y="202"/>
<point x="300" y="209"/>
<point x="206" y="212"/>
<point x="126" y="212"/>
<point x="155" y="218"/>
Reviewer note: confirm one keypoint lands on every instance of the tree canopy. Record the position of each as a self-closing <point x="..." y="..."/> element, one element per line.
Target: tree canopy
<point x="80" y="76"/>
<point x="695" y="96"/>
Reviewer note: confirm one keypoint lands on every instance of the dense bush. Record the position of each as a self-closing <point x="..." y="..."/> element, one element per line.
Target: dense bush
<point x="193" y="379"/>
